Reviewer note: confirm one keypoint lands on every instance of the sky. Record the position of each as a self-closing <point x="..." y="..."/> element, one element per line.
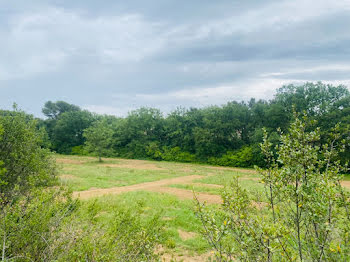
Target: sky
<point x="114" y="56"/>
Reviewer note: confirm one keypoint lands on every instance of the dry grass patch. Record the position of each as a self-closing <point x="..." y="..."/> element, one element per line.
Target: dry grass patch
<point x="185" y="235"/>
<point x="145" y="166"/>
<point x="69" y="161"/>
<point x="67" y="176"/>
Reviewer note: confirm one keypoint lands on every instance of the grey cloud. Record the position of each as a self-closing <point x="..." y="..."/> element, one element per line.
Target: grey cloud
<point x="114" y="56"/>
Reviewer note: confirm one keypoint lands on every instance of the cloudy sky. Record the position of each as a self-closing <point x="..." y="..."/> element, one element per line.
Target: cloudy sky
<point x="113" y="56"/>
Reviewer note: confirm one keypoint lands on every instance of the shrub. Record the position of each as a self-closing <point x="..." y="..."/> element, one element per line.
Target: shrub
<point x="243" y="157"/>
<point x="176" y="154"/>
<point x="79" y="150"/>
<point x="153" y="151"/>
<point x="25" y="163"/>
<point x="40" y="222"/>
<point x="305" y="216"/>
<point x="125" y="236"/>
<point x="31" y="226"/>
<point x="51" y="226"/>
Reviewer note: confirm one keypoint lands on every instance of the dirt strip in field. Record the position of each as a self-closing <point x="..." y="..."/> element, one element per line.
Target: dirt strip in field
<point x="155" y="186"/>
<point x="160" y="186"/>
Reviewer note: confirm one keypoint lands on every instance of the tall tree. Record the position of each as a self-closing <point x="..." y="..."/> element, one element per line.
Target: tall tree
<point x="68" y="131"/>
<point x="53" y="110"/>
<point x="99" y="139"/>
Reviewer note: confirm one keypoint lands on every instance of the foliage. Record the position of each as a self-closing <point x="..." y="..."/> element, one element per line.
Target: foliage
<point x="68" y="130"/>
<point x="306" y="217"/>
<point x="50" y="226"/>
<point x="24" y="163"/>
<point x="217" y="133"/>
<point x="39" y="222"/>
<point x="79" y="150"/>
<point x="125" y="236"/>
<point x="243" y="157"/>
<point x="99" y="139"/>
<point x="175" y="154"/>
<point x="169" y="154"/>
<point x="31" y="226"/>
<point x="54" y="109"/>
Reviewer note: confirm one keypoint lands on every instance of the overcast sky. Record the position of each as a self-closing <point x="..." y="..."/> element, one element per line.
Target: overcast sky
<point x="114" y="56"/>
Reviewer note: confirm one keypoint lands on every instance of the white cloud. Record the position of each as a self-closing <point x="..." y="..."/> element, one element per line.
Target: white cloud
<point x="108" y="110"/>
<point x="309" y="69"/>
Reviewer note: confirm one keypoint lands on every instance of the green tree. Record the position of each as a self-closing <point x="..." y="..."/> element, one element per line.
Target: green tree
<point x="68" y="130"/>
<point x="53" y="110"/>
<point x="99" y="139"/>
<point x="314" y="98"/>
<point x="25" y="163"/>
<point x="304" y="215"/>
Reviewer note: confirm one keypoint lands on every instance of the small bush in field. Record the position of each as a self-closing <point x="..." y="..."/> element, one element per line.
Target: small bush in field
<point x="305" y="215"/>
<point x="239" y="158"/>
<point x="125" y="236"/>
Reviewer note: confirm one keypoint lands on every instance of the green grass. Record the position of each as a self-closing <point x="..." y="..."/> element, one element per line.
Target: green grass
<point x="347" y="177"/>
<point x="83" y="173"/>
<point x="92" y="174"/>
<point x="175" y="214"/>
<point x="199" y="188"/>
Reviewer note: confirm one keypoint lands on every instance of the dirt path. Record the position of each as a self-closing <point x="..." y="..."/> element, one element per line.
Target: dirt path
<point x="345" y="184"/>
<point x="155" y="186"/>
<point x="161" y="186"/>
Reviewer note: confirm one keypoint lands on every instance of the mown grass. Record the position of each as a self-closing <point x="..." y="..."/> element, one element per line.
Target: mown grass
<point x="86" y="172"/>
<point x="92" y="174"/>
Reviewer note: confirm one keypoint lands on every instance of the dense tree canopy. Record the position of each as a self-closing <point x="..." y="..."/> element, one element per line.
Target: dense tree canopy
<point x="218" y="134"/>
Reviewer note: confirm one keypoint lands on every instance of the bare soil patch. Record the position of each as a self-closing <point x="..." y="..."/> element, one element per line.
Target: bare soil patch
<point x="152" y="186"/>
<point x="134" y="166"/>
<point x="156" y="186"/>
<point x="186" y="257"/>
<point x="66" y="176"/>
<point x="345" y="184"/>
<point x="184" y="235"/>
<point x="69" y="161"/>
<point x="187" y="170"/>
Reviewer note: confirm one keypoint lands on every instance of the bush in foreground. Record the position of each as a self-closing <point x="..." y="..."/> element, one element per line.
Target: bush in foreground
<point x="304" y="215"/>
<point x="41" y="222"/>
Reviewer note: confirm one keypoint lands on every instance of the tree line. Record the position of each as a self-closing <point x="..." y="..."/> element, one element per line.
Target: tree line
<point x="227" y="135"/>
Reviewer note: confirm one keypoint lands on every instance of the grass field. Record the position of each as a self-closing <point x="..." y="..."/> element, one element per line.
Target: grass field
<point x="164" y="188"/>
